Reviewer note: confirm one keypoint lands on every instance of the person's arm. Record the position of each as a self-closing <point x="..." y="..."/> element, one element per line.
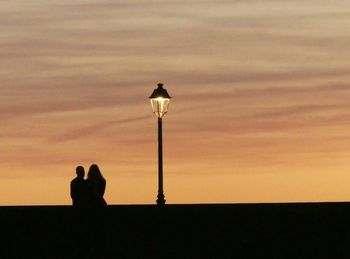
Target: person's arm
<point x="72" y="193"/>
<point x="103" y="188"/>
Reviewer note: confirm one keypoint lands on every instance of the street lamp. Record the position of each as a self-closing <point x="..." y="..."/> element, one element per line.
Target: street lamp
<point x="160" y="100"/>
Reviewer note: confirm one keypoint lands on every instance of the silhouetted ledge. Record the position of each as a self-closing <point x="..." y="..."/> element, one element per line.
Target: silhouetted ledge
<point x="282" y="230"/>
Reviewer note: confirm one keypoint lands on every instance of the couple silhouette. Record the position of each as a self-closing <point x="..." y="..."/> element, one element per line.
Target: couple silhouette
<point x="88" y="192"/>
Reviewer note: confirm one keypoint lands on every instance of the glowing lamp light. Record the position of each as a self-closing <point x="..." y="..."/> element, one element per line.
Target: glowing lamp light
<point x="160" y="100"/>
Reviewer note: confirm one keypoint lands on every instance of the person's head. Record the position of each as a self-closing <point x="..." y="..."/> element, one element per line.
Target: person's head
<point x="94" y="172"/>
<point x="80" y="171"/>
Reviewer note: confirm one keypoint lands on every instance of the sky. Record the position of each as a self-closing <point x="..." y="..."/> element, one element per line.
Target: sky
<point x="260" y="109"/>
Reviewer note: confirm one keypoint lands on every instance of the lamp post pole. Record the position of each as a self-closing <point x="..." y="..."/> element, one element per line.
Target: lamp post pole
<point x="160" y="100"/>
<point x="160" y="200"/>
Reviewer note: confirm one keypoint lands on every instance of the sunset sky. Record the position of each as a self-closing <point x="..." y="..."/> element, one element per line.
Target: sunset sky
<point x="260" y="109"/>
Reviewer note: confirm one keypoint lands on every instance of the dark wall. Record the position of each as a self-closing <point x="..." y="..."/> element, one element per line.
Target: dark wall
<point x="310" y="230"/>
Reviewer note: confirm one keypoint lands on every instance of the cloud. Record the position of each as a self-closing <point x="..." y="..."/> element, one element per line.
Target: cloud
<point x="83" y="132"/>
<point x="285" y="112"/>
<point x="234" y="91"/>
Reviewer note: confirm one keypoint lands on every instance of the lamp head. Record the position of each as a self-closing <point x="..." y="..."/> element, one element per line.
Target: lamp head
<point x="160" y="100"/>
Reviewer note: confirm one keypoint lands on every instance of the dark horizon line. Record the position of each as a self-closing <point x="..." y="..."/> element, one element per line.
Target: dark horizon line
<point x="198" y="204"/>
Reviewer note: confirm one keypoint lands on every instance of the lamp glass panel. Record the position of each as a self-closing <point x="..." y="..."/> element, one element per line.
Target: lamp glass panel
<point x="160" y="106"/>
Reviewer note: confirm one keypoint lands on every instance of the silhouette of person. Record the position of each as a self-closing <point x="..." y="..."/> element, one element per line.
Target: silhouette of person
<point x="78" y="188"/>
<point x="96" y="187"/>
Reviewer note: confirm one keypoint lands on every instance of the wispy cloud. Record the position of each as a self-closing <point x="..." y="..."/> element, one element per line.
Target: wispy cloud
<point x="83" y="132"/>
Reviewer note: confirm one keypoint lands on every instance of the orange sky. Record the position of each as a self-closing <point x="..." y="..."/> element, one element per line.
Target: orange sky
<point x="260" y="109"/>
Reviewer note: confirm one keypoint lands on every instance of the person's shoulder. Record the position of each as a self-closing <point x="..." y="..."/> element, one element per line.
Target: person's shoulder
<point x="76" y="180"/>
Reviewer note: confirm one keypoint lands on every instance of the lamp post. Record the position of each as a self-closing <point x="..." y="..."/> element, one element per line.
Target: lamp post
<point x="160" y="100"/>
